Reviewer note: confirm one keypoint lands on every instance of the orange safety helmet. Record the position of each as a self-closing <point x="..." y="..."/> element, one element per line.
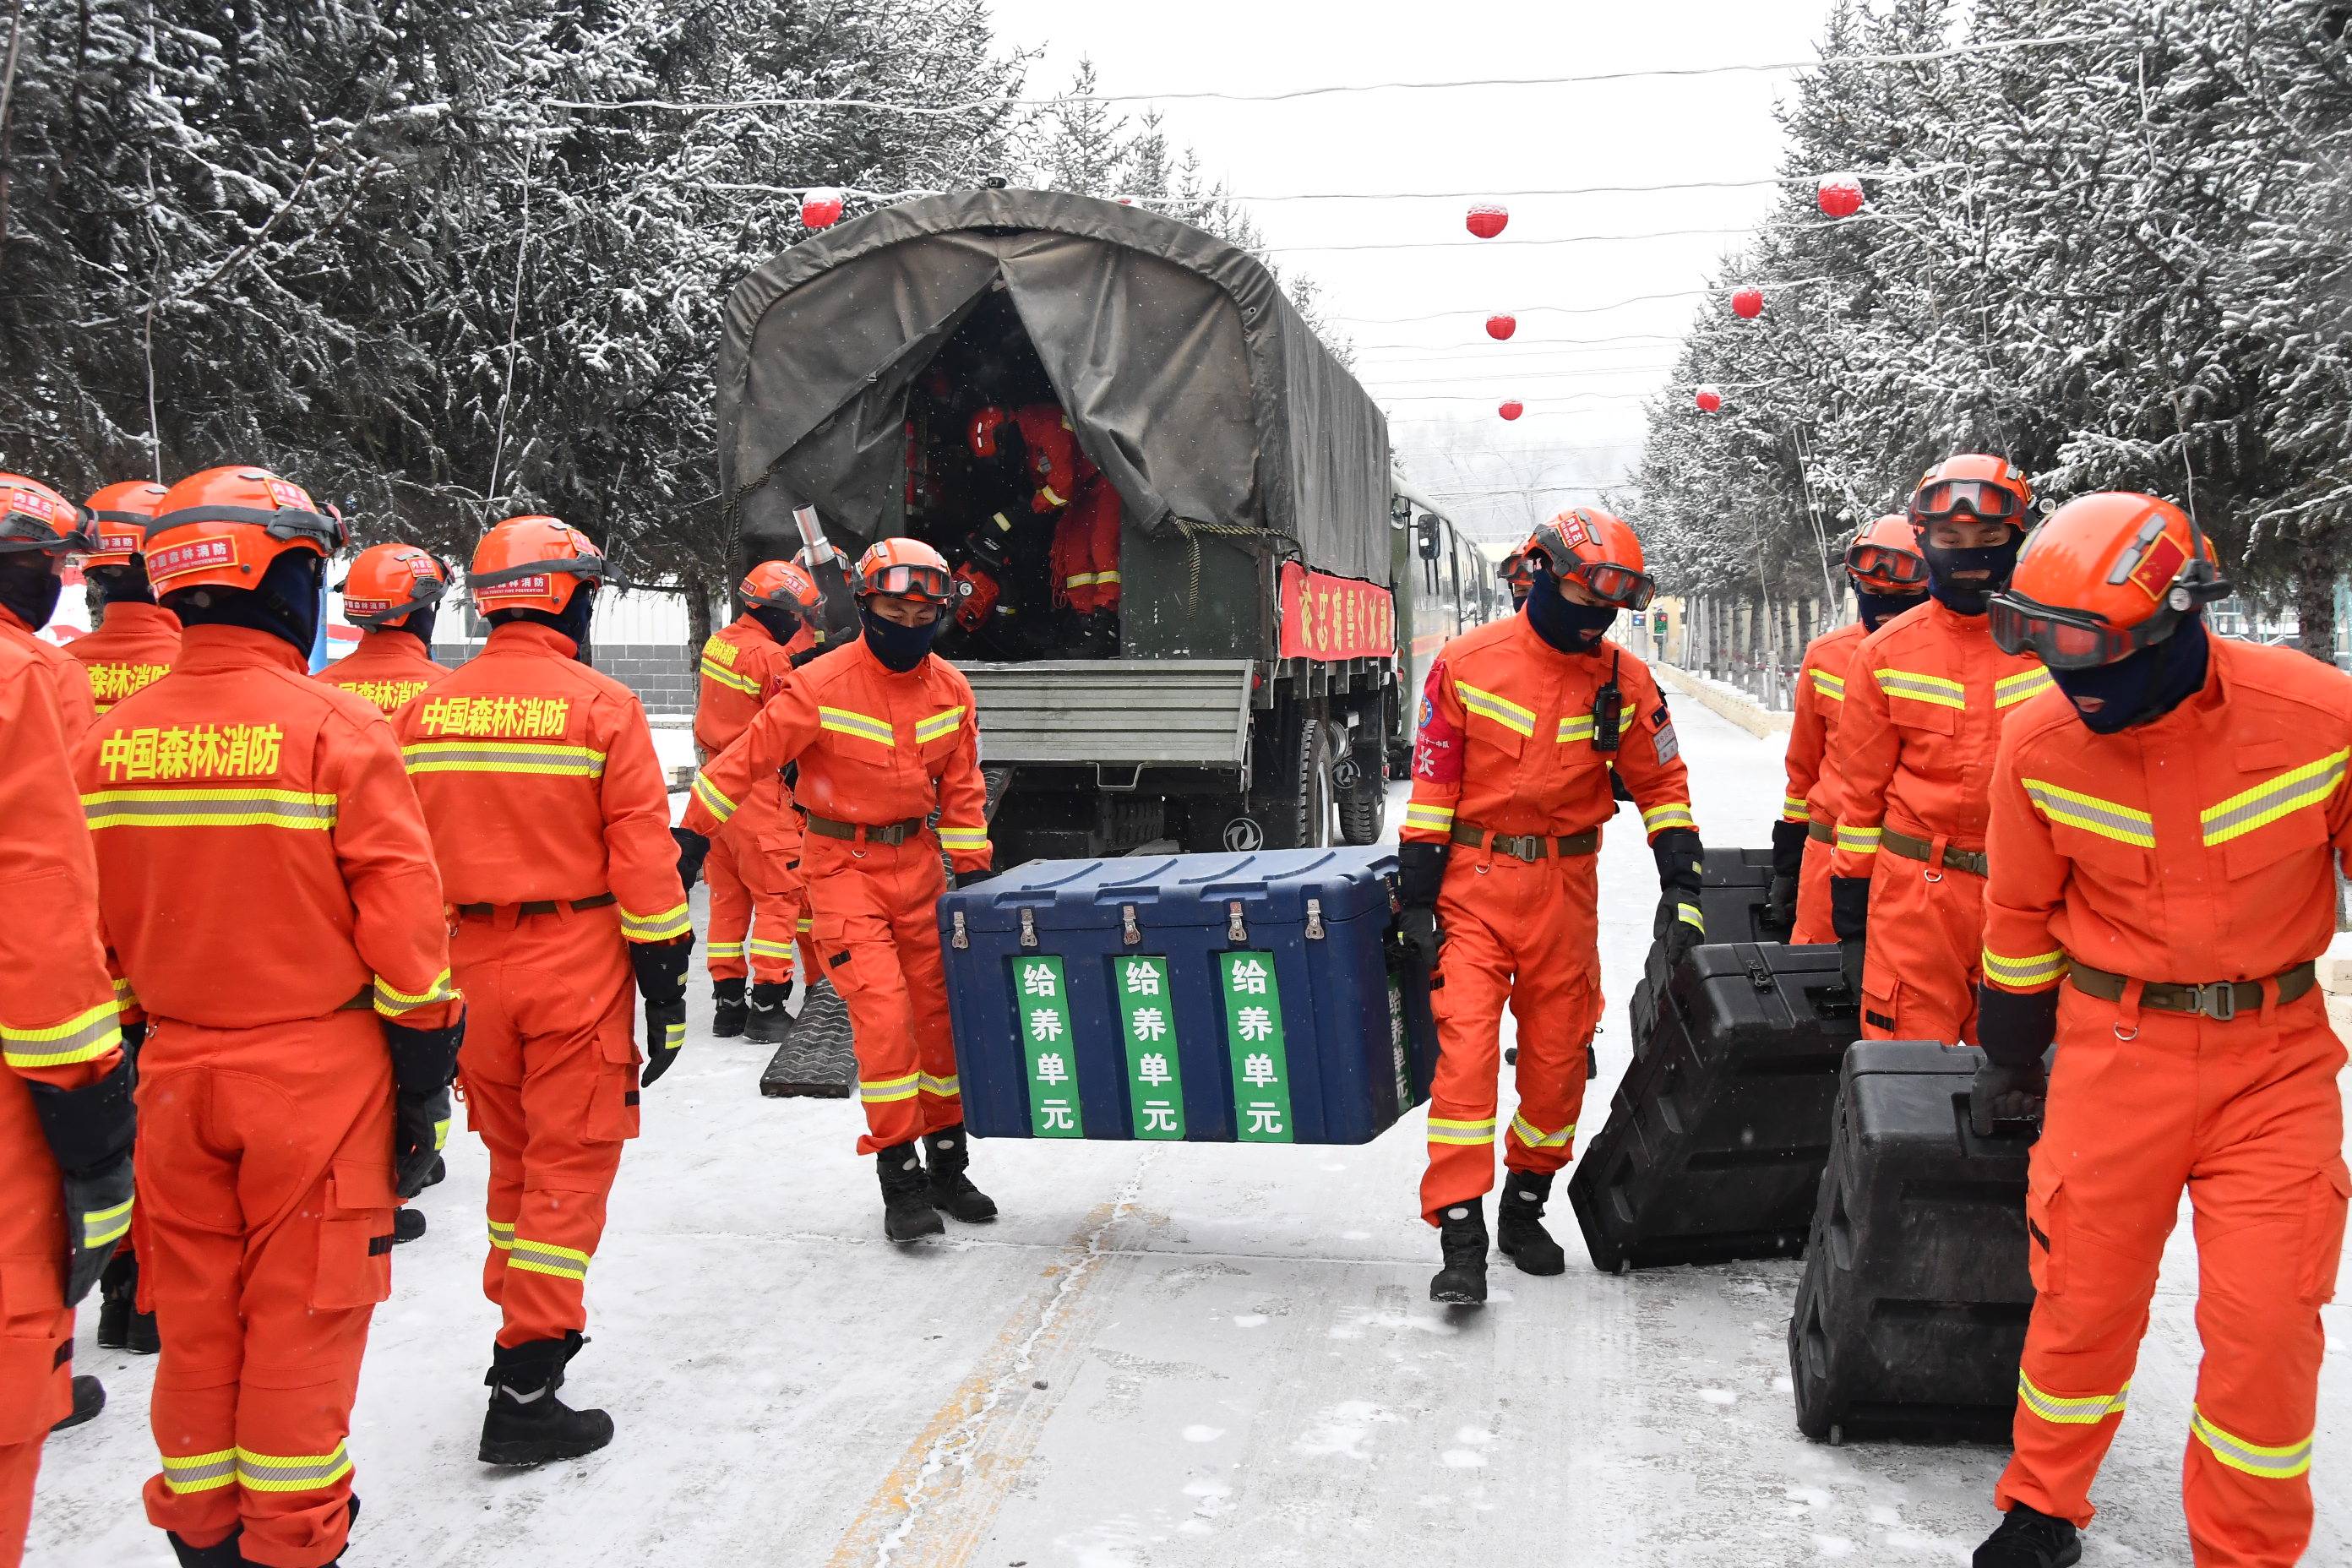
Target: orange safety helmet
<point x="2107" y="575"/>
<point x="388" y="581"/>
<point x="34" y="517"/>
<point x="221" y="528"/>
<point x="903" y="568"/>
<point x="122" y="514"/>
<point x="1518" y="569"/>
<point x="1885" y="558"/>
<point x="780" y="585"/>
<point x="1596" y="550"/>
<point x="1988" y="488"/>
<point x="981" y="432"/>
<point x="532" y="562"/>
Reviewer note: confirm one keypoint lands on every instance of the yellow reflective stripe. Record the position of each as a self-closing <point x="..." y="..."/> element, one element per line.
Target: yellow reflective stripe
<point x="727" y="678"/>
<point x="1669" y="814"/>
<point x="1052" y="497"/>
<point x="1501" y="709"/>
<point x="1435" y="819"/>
<point x="762" y="948"/>
<point x="2108" y="818"/>
<point x="667" y="926"/>
<point x="1443" y="1130"/>
<point x="2040" y="969"/>
<point x="2274" y="798"/>
<point x="948" y="1087"/>
<point x="962" y="837"/>
<point x="807" y="924"/>
<point x="1104" y="579"/>
<point x="546" y="1258"/>
<point x="104" y="1227"/>
<point x="723" y="949"/>
<point x="1920" y="687"/>
<point x="1079" y="580"/>
<point x="2280" y="1464"/>
<point x="184" y="1473"/>
<point x="123" y="992"/>
<point x="291" y="1472"/>
<point x="882" y="1090"/>
<point x="466" y="754"/>
<point x="1830" y="686"/>
<point x="1535" y="1137"/>
<point x="2011" y="690"/>
<point x="84" y="1037"/>
<point x="945" y="722"/>
<point x="1579" y="726"/>
<point x="2064" y="1411"/>
<point x="1858" y="840"/>
<point x="166" y="807"/>
<point x="1689" y="914"/>
<point x="865" y="726"/>
<point x="1792" y="808"/>
<point x="720" y="807"/>
<point x="502" y="1236"/>
<point x="391" y="1001"/>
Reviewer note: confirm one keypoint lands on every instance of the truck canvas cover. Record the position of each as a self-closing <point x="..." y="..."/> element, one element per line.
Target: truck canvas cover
<point x="1193" y="382"/>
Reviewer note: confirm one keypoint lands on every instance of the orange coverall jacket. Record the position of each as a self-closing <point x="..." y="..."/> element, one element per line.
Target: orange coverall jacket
<point x="133" y="647"/>
<point x="387" y="669"/>
<point x="1812" y="793"/>
<point x="77" y="708"/>
<point x="743" y="666"/>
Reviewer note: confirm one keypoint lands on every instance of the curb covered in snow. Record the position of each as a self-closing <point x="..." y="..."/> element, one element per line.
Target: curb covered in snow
<point x="1761" y="722"/>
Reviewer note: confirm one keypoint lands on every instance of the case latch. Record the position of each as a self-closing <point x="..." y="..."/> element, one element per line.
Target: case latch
<point x="1234" y="928"/>
<point x="1315" y="920"/>
<point x="961" y="938"/>
<point x="1131" y="934"/>
<point x="1028" y="928"/>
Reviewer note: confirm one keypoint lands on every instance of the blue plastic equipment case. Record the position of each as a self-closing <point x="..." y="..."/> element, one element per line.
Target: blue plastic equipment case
<point x="1204" y="998"/>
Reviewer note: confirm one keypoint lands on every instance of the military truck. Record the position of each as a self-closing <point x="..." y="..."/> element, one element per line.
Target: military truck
<point x="1259" y="692"/>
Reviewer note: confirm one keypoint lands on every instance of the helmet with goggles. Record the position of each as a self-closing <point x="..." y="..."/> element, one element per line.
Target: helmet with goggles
<point x="1597" y="551"/>
<point x="2107" y="575"/>
<point x="1885" y="558"/>
<point x="904" y="569"/>
<point x="1974" y="485"/>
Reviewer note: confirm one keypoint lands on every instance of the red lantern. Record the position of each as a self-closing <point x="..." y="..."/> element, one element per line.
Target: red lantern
<point x="1748" y="303"/>
<point x="1487" y="219"/>
<point x="1501" y="327"/>
<point x="1708" y="400"/>
<point x="820" y="207"/>
<point x="1839" y="195"/>
<point x="1512" y="408"/>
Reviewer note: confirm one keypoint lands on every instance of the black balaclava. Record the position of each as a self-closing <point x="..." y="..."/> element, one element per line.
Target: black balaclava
<point x="1570" y="627"/>
<point x="285" y="603"/>
<point x="1877" y="609"/>
<point x="1970" y="599"/>
<point x="122" y="585"/>
<point x="30" y="588"/>
<point x="900" y="648"/>
<point x="571" y="620"/>
<point x="417" y="622"/>
<point x="2141" y="686"/>
<point x="781" y="624"/>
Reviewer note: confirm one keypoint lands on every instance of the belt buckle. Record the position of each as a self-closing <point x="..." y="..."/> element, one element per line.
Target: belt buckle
<point x="1524" y="848"/>
<point x="2217" y="1000"/>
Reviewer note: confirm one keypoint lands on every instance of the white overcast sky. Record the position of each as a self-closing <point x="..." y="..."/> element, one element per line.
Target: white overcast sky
<point x="1470" y="140"/>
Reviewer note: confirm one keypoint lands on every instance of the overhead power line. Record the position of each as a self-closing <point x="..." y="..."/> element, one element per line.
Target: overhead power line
<point x="1465" y="245"/>
<point x="1567" y="309"/>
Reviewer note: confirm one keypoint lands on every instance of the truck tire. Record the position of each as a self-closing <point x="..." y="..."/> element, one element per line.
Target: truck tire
<point x="1292" y="802"/>
<point x="1364" y="803"/>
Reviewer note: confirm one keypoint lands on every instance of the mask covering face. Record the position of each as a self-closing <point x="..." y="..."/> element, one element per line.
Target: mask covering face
<point x="285" y="603"/>
<point x="1567" y="627"/>
<point x="123" y="584"/>
<point x="28" y="588"/>
<point x="900" y="648"/>
<point x="573" y="621"/>
<point x="2142" y="687"/>
<point x="1968" y="598"/>
<point x="1877" y="609"/>
<point x="781" y="624"/>
<point x="418" y="624"/>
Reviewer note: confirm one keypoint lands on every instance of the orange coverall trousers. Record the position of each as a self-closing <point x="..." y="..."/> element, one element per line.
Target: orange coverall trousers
<point x="265" y="1167"/>
<point x="35" y="1328"/>
<point x="1925" y="953"/>
<point x="755" y="913"/>
<point x="2246" y="1116"/>
<point x="875" y="935"/>
<point x="1525" y="935"/>
<point x="1813" y="894"/>
<point x="550" y="1074"/>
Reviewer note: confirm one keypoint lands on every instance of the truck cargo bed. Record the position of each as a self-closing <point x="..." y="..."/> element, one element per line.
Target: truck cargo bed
<point x="1166" y="712"/>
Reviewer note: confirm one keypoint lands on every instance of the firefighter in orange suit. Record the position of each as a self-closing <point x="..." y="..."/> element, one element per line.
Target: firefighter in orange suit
<point x="1926" y="695"/>
<point x="1085" y="510"/>
<point x="884" y="732"/>
<point x="1523" y="721"/>
<point x="65" y="1097"/>
<point x="268" y="894"/>
<point x="37" y="521"/>
<point x="136" y="639"/>
<point x="552" y="820"/>
<point x="2166" y="830"/>
<point x="753" y="868"/>
<point x="1889" y="577"/>
<point x="393" y="594"/>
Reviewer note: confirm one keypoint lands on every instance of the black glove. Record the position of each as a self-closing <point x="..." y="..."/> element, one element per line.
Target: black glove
<point x="1421" y="872"/>
<point x="1417" y="927"/>
<point x="2006" y="1092"/>
<point x="423" y="1063"/>
<point x="91" y="1130"/>
<point x="974" y="878"/>
<point x="661" y="968"/>
<point x="1681" y="859"/>
<point x="989" y="545"/>
<point x="664" y="1035"/>
<point x="1850" y="918"/>
<point x="1788" y="870"/>
<point x="133" y="1036"/>
<point x="691" y="847"/>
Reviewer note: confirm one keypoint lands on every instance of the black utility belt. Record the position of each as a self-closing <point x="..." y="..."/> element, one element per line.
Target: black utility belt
<point x="2220" y="1000"/>
<point x="536" y="906"/>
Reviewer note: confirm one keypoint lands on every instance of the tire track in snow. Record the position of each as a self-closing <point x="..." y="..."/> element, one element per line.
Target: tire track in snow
<point x="966" y="1459"/>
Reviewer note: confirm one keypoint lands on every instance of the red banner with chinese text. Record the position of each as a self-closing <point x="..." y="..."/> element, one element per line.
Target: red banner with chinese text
<point x="1335" y="618"/>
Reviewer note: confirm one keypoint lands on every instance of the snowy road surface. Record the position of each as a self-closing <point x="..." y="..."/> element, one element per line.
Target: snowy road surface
<point x="1175" y="1355"/>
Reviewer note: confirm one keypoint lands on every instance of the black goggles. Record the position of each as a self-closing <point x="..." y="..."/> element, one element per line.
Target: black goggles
<point x="1886" y="566"/>
<point x="911" y="581"/>
<point x="1614" y="584"/>
<point x="1981" y="499"/>
<point x="2072" y="639"/>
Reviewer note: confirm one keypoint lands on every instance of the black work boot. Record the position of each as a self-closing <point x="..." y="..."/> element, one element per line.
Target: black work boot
<point x="2027" y="1539"/>
<point x="1462" y="1238"/>
<point x="769" y="1022"/>
<point x="439" y="1174"/>
<point x="729" y="1012"/>
<point x="407" y="1225"/>
<point x="118" y="1300"/>
<point x="89" y="1399"/>
<point x="947" y="1154"/>
<point x="223" y="1553"/>
<point x="906" y="1212"/>
<point x="1518" y="1225"/>
<point x="145" y="1338"/>
<point x="527" y="1425"/>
